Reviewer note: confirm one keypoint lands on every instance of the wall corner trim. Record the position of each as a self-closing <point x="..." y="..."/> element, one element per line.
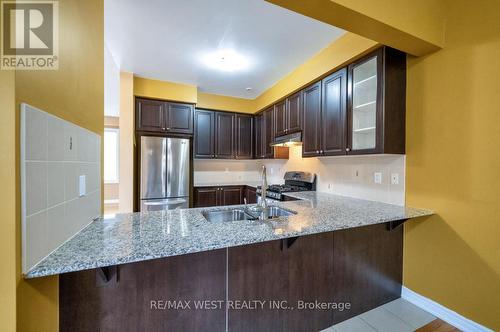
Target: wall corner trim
<point x="442" y="312"/>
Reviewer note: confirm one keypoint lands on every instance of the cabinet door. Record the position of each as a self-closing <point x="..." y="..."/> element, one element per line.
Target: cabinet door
<point x="224" y="135"/>
<point x="231" y="196"/>
<point x="257" y="272"/>
<point x="251" y="195"/>
<point x="333" y="114"/>
<point x="280" y="119"/>
<point x="258" y="136"/>
<point x="204" y="134"/>
<point x="368" y="268"/>
<point x="206" y="196"/>
<point x="150" y="115"/>
<point x="294" y="112"/>
<point x="268" y="129"/>
<point x="311" y="131"/>
<point x="179" y="118"/>
<point x="310" y="274"/>
<point x="365" y="105"/>
<point x="244" y="136"/>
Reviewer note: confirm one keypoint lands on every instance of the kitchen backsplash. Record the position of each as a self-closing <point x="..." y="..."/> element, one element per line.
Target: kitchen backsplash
<point x="55" y="154"/>
<point x="352" y="176"/>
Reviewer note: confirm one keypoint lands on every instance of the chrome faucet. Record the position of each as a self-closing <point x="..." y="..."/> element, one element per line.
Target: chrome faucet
<point x="263" y="203"/>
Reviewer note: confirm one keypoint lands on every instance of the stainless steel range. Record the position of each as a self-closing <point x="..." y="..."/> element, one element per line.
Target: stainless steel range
<point x="294" y="181"/>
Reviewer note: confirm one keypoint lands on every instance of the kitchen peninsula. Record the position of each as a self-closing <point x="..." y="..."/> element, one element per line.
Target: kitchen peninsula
<point x="334" y="250"/>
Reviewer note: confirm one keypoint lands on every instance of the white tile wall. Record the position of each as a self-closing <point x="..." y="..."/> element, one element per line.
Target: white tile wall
<point x="54" y="153"/>
<point x="351" y="176"/>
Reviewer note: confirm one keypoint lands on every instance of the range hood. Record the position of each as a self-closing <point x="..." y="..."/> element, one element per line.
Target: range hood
<point x="288" y="140"/>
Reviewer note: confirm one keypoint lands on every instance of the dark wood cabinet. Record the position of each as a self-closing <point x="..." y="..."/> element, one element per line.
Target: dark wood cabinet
<point x="206" y="196"/>
<point x="288" y="115"/>
<point x="219" y="196"/>
<point x="268" y="133"/>
<point x="163" y="117"/>
<point x="294" y="114"/>
<point x="368" y="268"/>
<point x="251" y="195"/>
<point x="179" y="118"/>
<point x="377" y="103"/>
<point x="280" y="118"/>
<point x="325" y="116"/>
<point x="150" y="115"/>
<point x="244" y="136"/>
<point x="231" y="195"/>
<point x="204" y="134"/>
<point x="224" y="135"/>
<point x="311" y="136"/>
<point x="310" y="279"/>
<point x="294" y="271"/>
<point x="333" y="114"/>
<point x="257" y="272"/>
<point x="258" y="133"/>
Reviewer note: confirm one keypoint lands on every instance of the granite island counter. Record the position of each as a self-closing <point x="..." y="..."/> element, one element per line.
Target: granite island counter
<point x="134" y="237"/>
<point x="132" y="271"/>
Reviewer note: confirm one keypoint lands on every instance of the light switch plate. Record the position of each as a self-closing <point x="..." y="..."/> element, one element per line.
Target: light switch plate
<point x="394" y="178"/>
<point x="377" y="177"/>
<point x="82" y="190"/>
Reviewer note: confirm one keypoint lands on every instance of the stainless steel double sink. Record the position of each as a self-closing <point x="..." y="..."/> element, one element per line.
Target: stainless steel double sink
<point x="239" y="214"/>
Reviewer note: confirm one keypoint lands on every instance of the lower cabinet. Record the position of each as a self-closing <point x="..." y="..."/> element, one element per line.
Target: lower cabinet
<point x="223" y="195"/>
<point x="360" y="266"/>
<point x="285" y="274"/>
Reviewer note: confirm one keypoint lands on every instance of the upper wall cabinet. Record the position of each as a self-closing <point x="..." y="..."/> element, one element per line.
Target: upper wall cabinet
<point x="358" y="110"/>
<point x="311" y="135"/>
<point x="377" y="103"/>
<point x="244" y="136"/>
<point x="268" y="133"/>
<point x="163" y="117"/>
<point x="288" y="115"/>
<point x="222" y="135"/>
<point x="204" y="134"/>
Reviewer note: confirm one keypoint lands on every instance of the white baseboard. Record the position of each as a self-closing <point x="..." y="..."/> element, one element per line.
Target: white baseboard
<point x="441" y="312"/>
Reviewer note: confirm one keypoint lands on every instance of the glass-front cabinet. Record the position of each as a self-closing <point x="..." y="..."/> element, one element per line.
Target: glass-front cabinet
<point x="364" y="86"/>
<point x="376" y="103"/>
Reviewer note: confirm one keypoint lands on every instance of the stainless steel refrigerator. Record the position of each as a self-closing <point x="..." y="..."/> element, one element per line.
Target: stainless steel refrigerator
<point x="164" y="173"/>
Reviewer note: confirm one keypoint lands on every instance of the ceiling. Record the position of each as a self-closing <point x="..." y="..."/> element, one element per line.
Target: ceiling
<point x="168" y="40"/>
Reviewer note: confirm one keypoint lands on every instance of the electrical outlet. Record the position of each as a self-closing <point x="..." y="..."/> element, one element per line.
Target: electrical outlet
<point x="377" y="177"/>
<point x="394" y="178"/>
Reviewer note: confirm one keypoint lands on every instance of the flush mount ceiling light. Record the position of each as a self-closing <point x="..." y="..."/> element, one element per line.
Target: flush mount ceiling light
<point x="226" y="60"/>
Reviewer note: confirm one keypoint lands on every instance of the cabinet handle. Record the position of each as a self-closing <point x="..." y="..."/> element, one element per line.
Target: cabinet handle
<point x="321" y="151"/>
<point x="317" y="151"/>
<point x="163" y="128"/>
<point x="347" y="149"/>
<point x="168" y="128"/>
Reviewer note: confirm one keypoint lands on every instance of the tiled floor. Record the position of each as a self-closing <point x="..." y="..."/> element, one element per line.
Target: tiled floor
<point x="395" y="316"/>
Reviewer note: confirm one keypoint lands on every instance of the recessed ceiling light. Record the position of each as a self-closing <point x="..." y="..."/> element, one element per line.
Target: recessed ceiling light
<point x="248" y="89"/>
<point x="226" y="60"/>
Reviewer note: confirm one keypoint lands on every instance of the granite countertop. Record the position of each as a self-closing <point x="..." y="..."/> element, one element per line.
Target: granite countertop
<point x="228" y="183"/>
<point x="135" y="237"/>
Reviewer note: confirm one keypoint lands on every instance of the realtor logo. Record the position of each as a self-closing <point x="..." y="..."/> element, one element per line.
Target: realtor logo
<point x="30" y="31"/>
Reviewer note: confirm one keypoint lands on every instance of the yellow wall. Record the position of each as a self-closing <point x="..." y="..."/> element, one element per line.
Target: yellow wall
<point x="453" y="159"/>
<point x="416" y="27"/>
<point x="145" y="87"/>
<point x="225" y="103"/>
<point x="335" y="55"/>
<point x="75" y="93"/>
<point x="126" y="164"/>
<point x="8" y="202"/>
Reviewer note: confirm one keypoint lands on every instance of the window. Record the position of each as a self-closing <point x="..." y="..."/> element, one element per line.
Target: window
<point x="111" y="157"/>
